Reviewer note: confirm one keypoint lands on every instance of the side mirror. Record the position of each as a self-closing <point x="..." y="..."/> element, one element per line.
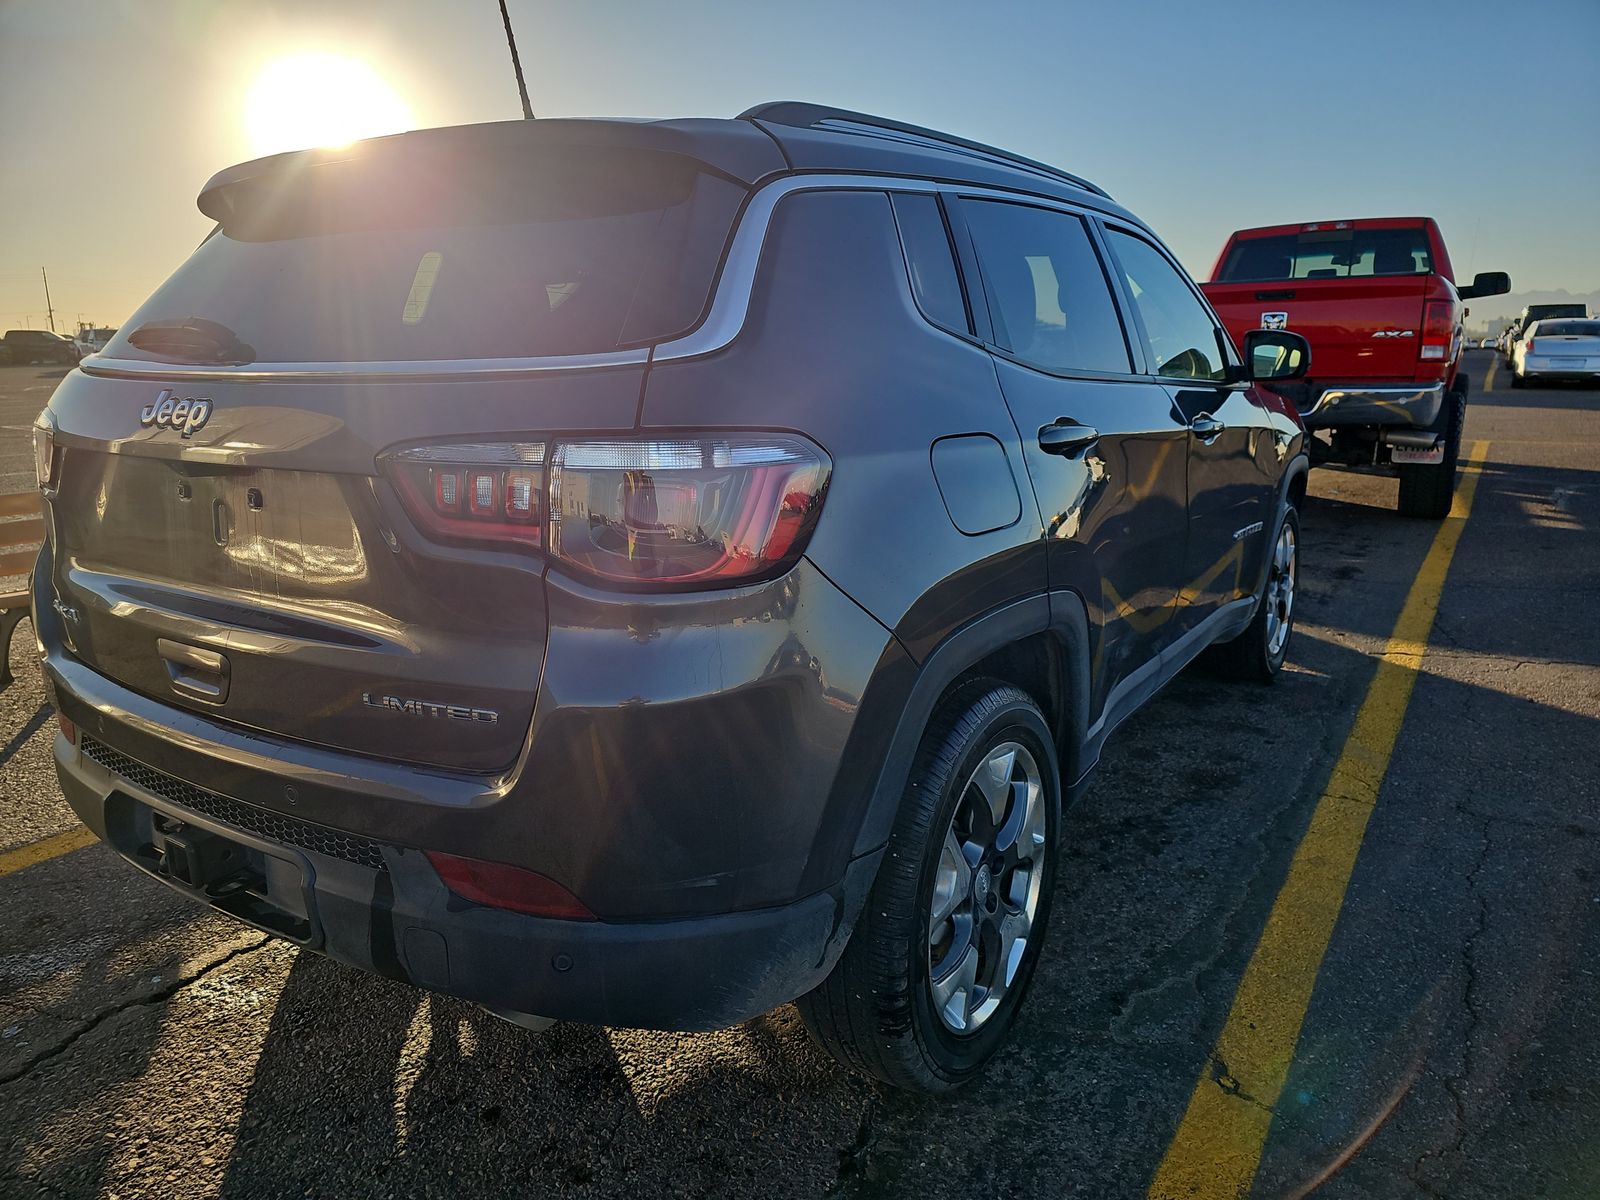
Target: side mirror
<point x="1275" y="355"/>
<point x="1486" y="283"/>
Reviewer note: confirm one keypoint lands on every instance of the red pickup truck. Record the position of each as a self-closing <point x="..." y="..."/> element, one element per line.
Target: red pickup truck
<point x="1378" y="302"/>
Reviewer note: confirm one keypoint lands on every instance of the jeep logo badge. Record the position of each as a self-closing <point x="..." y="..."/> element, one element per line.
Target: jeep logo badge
<point x="1277" y="320"/>
<point x="185" y="416"/>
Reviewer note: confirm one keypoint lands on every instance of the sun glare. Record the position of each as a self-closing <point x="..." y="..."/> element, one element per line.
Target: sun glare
<point x="320" y="100"/>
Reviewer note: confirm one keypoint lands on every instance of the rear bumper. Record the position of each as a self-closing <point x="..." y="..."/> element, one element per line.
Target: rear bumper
<point x="1416" y="405"/>
<point x="383" y="908"/>
<point x="1544" y="366"/>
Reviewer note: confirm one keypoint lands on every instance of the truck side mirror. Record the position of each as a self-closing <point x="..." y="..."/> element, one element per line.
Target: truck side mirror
<point x="1275" y="355"/>
<point x="1486" y="283"/>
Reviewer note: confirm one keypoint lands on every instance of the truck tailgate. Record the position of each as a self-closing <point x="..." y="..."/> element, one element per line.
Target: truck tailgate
<point x="1359" y="328"/>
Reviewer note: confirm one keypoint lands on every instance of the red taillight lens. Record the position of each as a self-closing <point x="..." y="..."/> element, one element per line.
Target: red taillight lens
<point x="500" y="885"/>
<point x="480" y="492"/>
<point x="708" y="511"/>
<point x="685" y="512"/>
<point x="1438" y="328"/>
<point x="1527" y="346"/>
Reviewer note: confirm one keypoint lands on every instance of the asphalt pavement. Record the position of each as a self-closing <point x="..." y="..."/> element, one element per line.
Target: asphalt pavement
<point x="1450" y="1046"/>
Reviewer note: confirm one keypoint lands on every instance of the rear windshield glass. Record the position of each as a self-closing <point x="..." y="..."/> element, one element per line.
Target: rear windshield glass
<point x="572" y="251"/>
<point x="1567" y="329"/>
<point x="1328" y="254"/>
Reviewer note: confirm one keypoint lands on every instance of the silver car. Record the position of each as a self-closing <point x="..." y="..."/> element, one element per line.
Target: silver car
<point x="1566" y="348"/>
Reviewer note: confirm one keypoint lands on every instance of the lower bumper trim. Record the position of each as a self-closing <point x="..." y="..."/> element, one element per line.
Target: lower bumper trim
<point x="1416" y="405"/>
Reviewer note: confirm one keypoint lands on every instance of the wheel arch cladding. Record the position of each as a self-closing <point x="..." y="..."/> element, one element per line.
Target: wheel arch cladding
<point x="1039" y="644"/>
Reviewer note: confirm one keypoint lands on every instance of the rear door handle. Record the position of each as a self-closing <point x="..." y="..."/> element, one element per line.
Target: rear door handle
<point x="1064" y="436"/>
<point x="1206" y="427"/>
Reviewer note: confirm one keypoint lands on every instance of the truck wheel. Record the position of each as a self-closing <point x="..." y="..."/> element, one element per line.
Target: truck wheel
<point x="1259" y="652"/>
<point x="1517" y="381"/>
<point x="934" y="973"/>
<point x="1426" y="489"/>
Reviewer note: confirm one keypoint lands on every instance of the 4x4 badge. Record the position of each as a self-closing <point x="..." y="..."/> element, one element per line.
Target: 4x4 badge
<point x="185" y="416"/>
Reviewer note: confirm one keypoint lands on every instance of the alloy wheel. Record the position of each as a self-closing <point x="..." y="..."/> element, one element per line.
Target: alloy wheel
<point x="1280" y="590"/>
<point x="986" y="888"/>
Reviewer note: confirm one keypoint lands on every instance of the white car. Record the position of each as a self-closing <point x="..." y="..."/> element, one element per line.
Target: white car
<point x="93" y="339"/>
<point x="1557" y="348"/>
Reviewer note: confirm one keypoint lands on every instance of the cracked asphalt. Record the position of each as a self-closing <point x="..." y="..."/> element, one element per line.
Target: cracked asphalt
<point x="1451" y="1048"/>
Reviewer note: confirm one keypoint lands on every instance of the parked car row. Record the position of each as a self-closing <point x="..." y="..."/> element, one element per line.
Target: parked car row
<point x="1507" y="340"/>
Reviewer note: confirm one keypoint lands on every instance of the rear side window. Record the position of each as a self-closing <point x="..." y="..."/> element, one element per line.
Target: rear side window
<point x="1048" y="296"/>
<point x="1328" y="254"/>
<point x="576" y="250"/>
<point x="930" y="260"/>
<point x="1182" y="339"/>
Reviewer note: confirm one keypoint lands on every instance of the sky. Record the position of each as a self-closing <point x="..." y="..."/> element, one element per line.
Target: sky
<point x="1200" y="117"/>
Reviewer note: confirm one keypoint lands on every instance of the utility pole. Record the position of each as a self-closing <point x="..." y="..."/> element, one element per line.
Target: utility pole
<point x="516" y="63"/>
<point x="50" y="313"/>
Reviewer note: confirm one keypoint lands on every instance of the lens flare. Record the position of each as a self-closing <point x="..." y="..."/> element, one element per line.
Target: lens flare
<point x="320" y="100"/>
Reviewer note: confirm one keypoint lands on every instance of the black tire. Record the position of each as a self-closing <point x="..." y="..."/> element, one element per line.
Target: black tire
<point x="1252" y="655"/>
<point x="1517" y="381"/>
<point x="875" y="1012"/>
<point x="1427" y="489"/>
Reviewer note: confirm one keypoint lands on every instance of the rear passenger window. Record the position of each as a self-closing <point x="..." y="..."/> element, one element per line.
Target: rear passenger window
<point x="1048" y="296"/>
<point x="931" y="261"/>
<point x="1182" y="339"/>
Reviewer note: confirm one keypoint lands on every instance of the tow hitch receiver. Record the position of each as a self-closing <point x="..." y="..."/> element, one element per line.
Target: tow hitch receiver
<point x="198" y="858"/>
<point x="243" y="879"/>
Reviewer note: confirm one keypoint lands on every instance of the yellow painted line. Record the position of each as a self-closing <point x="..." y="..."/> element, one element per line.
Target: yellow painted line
<point x="1217" y="1148"/>
<point x="31" y="855"/>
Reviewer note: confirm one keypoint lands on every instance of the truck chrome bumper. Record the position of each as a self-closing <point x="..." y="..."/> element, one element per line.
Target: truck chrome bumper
<point x="1416" y="405"/>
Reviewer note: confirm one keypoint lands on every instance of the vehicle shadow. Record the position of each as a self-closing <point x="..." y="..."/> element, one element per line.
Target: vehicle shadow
<point x="1532" y="532"/>
<point x="365" y="1085"/>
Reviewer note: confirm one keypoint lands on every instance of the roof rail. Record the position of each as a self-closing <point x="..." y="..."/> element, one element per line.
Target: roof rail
<point x="800" y="115"/>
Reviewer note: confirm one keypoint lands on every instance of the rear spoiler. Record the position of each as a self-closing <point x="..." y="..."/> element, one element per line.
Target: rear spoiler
<point x="735" y="149"/>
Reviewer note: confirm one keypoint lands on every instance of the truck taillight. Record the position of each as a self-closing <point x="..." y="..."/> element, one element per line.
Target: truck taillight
<point x="675" y="512"/>
<point x="1438" y="328"/>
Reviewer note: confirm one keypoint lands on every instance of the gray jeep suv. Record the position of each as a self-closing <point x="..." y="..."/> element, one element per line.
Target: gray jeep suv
<point x="646" y="573"/>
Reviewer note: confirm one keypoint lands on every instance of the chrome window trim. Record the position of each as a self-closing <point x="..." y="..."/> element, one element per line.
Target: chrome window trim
<point x="730" y="302"/>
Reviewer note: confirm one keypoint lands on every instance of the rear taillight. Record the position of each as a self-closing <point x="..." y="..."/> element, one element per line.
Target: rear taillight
<point x="679" y="512"/>
<point x="500" y="885"/>
<point x="684" y="511"/>
<point x="476" y="491"/>
<point x="1438" y="327"/>
<point x="1527" y="346"/>
<point x="44" y="452"/>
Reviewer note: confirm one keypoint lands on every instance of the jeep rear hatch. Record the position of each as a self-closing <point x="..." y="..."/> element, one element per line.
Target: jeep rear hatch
<point x="258" y="566"/>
